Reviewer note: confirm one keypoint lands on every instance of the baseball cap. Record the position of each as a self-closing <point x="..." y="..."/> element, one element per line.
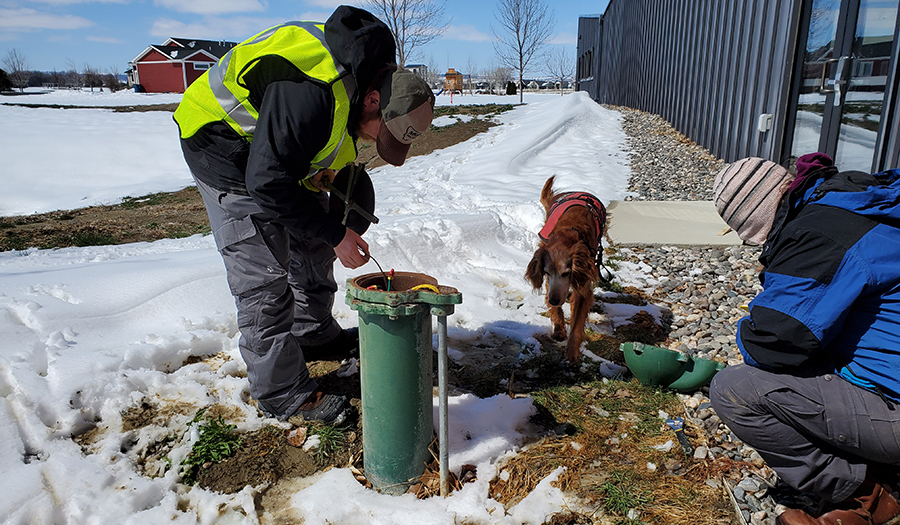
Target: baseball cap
<point x="407" y="107"/>
<point x="747" y="194"/>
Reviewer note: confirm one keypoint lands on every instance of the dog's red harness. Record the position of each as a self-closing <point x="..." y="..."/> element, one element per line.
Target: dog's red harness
<point x="575" y="198"/>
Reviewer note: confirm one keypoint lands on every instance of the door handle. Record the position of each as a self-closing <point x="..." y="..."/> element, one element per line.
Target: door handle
<point x="840" y="78"/>
<point x="824" y="74"/>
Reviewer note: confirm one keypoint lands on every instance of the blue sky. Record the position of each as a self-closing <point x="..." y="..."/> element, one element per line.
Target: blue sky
<point x="107" y="34"/>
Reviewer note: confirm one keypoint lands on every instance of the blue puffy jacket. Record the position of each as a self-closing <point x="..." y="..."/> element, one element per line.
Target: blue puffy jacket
<point x="831" y="284"/>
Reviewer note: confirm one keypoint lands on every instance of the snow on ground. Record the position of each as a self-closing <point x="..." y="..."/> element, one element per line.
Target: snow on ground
<point x="51" y="144"/>
<point x="86" y="333"/>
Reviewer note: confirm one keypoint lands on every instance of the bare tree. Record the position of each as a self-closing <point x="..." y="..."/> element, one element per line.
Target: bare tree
<point x="17" y="68"/>
<point x="92" y="77"/>
<point x="470" y="66"/>
<point x="58" y="78"/>
<point x="74" y="78"/>
<point x="498" y="77"/>
<point x="432" y="76"/>
<point x="560" y="65"/>
<point x="111" y="80"/>
<point x="413" y="22"/>
<point x="525" y="27"/>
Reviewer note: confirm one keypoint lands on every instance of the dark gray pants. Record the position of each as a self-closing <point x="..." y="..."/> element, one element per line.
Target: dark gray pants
<point x="819" y="433"/>
<point x="283" y="285"/>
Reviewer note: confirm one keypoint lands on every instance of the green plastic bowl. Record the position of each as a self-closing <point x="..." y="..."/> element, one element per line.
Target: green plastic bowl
<point x="653" y="365"/>
<point x="657" y="366"/>
<point x="697" y="374"/>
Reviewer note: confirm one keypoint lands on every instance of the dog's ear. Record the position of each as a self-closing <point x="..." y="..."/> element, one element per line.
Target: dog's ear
<point x="547" y="194"/>
<point x="584" y="270"/>
<point x="535" y="271"/>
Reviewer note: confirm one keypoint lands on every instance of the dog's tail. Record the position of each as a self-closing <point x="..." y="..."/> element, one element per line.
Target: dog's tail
<point x="548" y="196"/>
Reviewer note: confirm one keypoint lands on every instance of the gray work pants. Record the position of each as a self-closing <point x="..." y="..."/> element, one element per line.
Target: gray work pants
<point x="283" y="285"/>
<point x="819" y="433"/>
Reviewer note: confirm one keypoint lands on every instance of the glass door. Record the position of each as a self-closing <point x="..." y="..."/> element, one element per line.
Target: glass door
<point x="844" y="78"/>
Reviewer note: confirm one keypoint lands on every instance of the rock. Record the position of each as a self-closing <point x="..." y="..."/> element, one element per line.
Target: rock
<point x="704" y="413"/>
<point x="749" y="485"/>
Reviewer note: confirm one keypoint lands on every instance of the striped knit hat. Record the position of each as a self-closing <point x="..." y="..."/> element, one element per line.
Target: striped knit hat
<point x="747" y="193"/>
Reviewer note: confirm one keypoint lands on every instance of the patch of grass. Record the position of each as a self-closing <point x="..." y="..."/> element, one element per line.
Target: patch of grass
<point x="565" y="404"/>
<point x="11" y="241"/>
<point x="130" y="203"/>
<point x="331" y="440"/>
<point x="644" y="402"/>
<point x="91" y="238"/>
<point x="604" y="346"/>
<point x="80" y="238"/>
<point x="216" y="442"/>
<point x="623" y="493"/>
<point x="486" y="109"/>
<point x="442" y="129"/>
<point x="199" y="228"/>
<point x="611" y="286"/>
<point x="611" y="260"/>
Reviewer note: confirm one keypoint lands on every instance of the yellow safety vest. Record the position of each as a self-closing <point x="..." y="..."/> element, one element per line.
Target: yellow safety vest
<point x="220" y="94"/>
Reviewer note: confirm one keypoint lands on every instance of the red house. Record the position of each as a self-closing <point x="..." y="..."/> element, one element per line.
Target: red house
<point x="172" y="66"/>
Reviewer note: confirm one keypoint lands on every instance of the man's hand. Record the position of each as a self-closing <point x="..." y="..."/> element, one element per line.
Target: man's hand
<point x="353" y="251"/>
<point x="321" y="177"/>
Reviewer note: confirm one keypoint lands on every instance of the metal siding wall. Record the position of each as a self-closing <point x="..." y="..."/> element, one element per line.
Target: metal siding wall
<point x="889" y="156"/>
<point x="713" y="111"/>
<point x="710" y="68"/>
<point x="684" y="72"/>
<point x="589" y="40"/>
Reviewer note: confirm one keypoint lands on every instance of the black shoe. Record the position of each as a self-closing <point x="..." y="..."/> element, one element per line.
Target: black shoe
<point x="345" y="345"/>
<point x="330" y="409"/>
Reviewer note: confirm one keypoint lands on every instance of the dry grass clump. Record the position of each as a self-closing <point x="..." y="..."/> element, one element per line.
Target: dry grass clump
<point x="618" y="459"/>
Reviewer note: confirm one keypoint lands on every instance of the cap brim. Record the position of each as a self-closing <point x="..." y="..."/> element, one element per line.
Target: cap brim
<point x="389" y="148"/>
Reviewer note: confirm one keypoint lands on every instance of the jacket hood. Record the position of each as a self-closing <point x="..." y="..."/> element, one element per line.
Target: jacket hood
<point x="361" y="43"/>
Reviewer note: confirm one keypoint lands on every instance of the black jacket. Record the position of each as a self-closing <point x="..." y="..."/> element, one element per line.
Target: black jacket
<point x="295" y="119"/>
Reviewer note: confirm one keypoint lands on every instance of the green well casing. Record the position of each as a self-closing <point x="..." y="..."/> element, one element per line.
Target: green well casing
<point x="396" y="375"/>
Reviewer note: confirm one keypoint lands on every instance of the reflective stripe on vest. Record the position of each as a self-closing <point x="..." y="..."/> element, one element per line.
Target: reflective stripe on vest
<point x="220" y="95"/>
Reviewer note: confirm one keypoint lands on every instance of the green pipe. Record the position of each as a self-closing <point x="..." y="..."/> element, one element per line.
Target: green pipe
<point x="396" y="380"/>
<point x="396" y="373"/>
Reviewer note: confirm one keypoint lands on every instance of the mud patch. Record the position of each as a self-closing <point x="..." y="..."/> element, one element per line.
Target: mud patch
<point x="265" y="457"/>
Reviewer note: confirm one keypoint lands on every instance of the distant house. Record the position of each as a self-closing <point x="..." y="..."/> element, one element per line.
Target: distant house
<point x="419" y="69"/>
<point x="174" y="65"/>
<point x="453" y="81"/>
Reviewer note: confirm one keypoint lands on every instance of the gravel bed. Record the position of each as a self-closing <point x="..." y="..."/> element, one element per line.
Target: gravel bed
<point x="704" y="288"/>
<point x="666" y="165"/>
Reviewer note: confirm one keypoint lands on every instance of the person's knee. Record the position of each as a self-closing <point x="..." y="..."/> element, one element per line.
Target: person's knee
<point x="730" y="391"/>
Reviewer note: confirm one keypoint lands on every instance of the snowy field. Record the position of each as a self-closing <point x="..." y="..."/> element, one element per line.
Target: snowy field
<point x="97" y="156"/>
<point x="89" y="332"/>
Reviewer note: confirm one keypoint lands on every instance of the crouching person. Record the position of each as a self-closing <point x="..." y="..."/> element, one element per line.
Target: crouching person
<point x="259" y="131"/>
<point x="818" y="395"/>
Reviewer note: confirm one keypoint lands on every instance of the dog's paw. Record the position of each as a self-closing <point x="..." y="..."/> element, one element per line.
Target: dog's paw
<point x="559" y="335"/>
